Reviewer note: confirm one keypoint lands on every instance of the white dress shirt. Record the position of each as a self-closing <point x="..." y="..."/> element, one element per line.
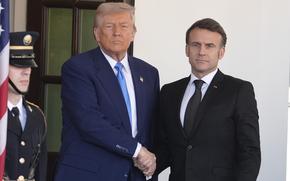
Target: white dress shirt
<point x="131" y="91"/>
<point x="190" y="91"/>
<point x="22" y="111"/>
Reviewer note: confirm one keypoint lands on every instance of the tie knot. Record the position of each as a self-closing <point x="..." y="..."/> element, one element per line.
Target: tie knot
<point x="15" y="111"/>
<point x="118" y="66"/>
<point x="198" y="84"/>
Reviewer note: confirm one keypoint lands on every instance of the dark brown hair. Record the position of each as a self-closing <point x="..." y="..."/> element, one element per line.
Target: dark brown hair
<point x="210" y="25"/>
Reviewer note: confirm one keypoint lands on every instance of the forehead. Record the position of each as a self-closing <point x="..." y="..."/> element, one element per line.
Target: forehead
<point x="204" y="36"/>
<point x="14" y="69"/>
<point x="122" y="17"/>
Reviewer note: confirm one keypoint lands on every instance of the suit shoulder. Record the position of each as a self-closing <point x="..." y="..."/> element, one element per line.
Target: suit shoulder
<point x="82" y="57"/>
<point x="177" y="83"/>
<point x="32" y="104"/>
<point x="81" y="62"/>
<point x="234" y="81"/>
<point x="144" y="64"/>
<point x="33" y="108"/>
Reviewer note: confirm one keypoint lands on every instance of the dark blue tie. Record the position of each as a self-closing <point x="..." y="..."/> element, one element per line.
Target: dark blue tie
<point x="122" y="81"/>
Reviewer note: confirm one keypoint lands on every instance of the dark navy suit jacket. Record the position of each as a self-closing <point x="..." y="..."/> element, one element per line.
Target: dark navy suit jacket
<point x="96" y="135"/>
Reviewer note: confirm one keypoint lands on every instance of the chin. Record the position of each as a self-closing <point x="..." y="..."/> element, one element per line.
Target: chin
<point x="119" y="49"/>
<point x="24" y="89"/>
<point x="201" y="69"/>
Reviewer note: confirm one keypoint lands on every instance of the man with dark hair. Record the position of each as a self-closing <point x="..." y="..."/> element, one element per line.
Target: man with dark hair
<point x="208" y="127"/>
<point x="26" y="148"/>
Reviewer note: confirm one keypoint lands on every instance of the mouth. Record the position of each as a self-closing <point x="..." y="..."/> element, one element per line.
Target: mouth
<point x="24" y="82"/>
<point x="117" y="41"/>
<point x="201" y="61"/>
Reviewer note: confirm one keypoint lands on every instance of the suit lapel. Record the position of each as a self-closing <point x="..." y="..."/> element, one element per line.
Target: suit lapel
<point x="33" y="130"/>
<point x="30" y="124"/>
<point x="208" y="97"/>
<point x="110" y="83"/>
<point x="138" y="81"/>
<point x="180" y="90"/>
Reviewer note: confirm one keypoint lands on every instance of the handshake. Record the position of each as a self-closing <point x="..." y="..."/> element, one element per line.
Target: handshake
<point x="146" y="162"/>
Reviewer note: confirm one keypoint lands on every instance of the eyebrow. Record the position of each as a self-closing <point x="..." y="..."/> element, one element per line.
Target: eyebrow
<point x="199" y="43"/>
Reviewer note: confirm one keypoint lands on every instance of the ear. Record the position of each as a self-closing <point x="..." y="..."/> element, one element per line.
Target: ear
<point x="133" y="35"/>
<point x="221" y="53"/>
<point x="96" y="34"/>
<point x="187" y="50"/>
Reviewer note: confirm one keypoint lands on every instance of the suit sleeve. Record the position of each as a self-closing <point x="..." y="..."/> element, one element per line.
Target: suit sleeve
<point x="154" y="129"/>
<point x="41" y="169"/>
<point x="248" y="140"/>
<point x="80" y="102"/>
<point x="40" y="173"/>
<point x="161" y="140"/>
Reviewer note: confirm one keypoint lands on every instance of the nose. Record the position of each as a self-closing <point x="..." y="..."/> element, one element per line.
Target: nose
<point x="202" y="50"/>
<point x="117" y="30"/>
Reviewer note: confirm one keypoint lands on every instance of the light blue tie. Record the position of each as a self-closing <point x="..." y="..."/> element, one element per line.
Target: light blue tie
<point x="122" y="81"/>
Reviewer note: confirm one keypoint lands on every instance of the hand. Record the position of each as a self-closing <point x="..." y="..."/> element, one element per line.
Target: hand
<point x="145" y="161"/>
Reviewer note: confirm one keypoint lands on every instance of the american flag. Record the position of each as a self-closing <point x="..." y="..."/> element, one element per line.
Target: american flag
<point x="4" y="66"/>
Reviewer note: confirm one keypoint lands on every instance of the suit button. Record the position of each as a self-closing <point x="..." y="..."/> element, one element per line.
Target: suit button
<point x="21" y="160"/>
<point x="22" y="143"/>
<point x="189" y="147"/>
<point x="20" y="178"/>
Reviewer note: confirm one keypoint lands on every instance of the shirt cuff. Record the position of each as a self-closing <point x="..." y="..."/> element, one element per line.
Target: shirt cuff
<point x="139" y="146"/>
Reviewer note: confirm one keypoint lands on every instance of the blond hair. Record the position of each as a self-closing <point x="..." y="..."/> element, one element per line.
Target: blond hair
<point x="113" y="8"/>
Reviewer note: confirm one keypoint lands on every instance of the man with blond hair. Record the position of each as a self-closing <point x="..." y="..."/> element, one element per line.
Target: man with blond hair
<point x="109" y="104"/>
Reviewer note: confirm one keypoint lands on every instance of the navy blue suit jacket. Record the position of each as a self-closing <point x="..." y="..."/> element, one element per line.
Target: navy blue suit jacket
<point x="96" y="135"/>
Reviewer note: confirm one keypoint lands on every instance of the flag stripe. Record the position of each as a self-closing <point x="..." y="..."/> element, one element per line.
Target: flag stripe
<point x="3" y="99"/>
<point x="4" y="63"/>
<point x="2" y="160"/>
<point x="4" y="68"/>
<point x="3" y="126"/>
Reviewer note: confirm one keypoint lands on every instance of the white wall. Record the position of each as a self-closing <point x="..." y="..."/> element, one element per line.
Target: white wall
<point x="258" y="50"/>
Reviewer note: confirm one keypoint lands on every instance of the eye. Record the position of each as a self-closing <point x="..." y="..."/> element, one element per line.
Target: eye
<point x="194" y="44"/>
<point x="108" y="26"/>
<point x="210" y="45"/>
<point x="125" y="26"/>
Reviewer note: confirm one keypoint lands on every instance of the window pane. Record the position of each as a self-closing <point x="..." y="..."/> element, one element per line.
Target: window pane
<point x="53" y="116"/>
<point x="86" y="38"/>
<point x="59" y="39"/>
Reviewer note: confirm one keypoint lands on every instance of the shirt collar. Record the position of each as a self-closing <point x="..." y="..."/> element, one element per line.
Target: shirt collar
<point x="18" y="105"/>
<point x="113" y="62"/>
<point x="207" y="79"/>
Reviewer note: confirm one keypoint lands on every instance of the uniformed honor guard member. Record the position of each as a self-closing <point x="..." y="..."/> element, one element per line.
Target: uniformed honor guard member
<point x="26" y="156"/>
